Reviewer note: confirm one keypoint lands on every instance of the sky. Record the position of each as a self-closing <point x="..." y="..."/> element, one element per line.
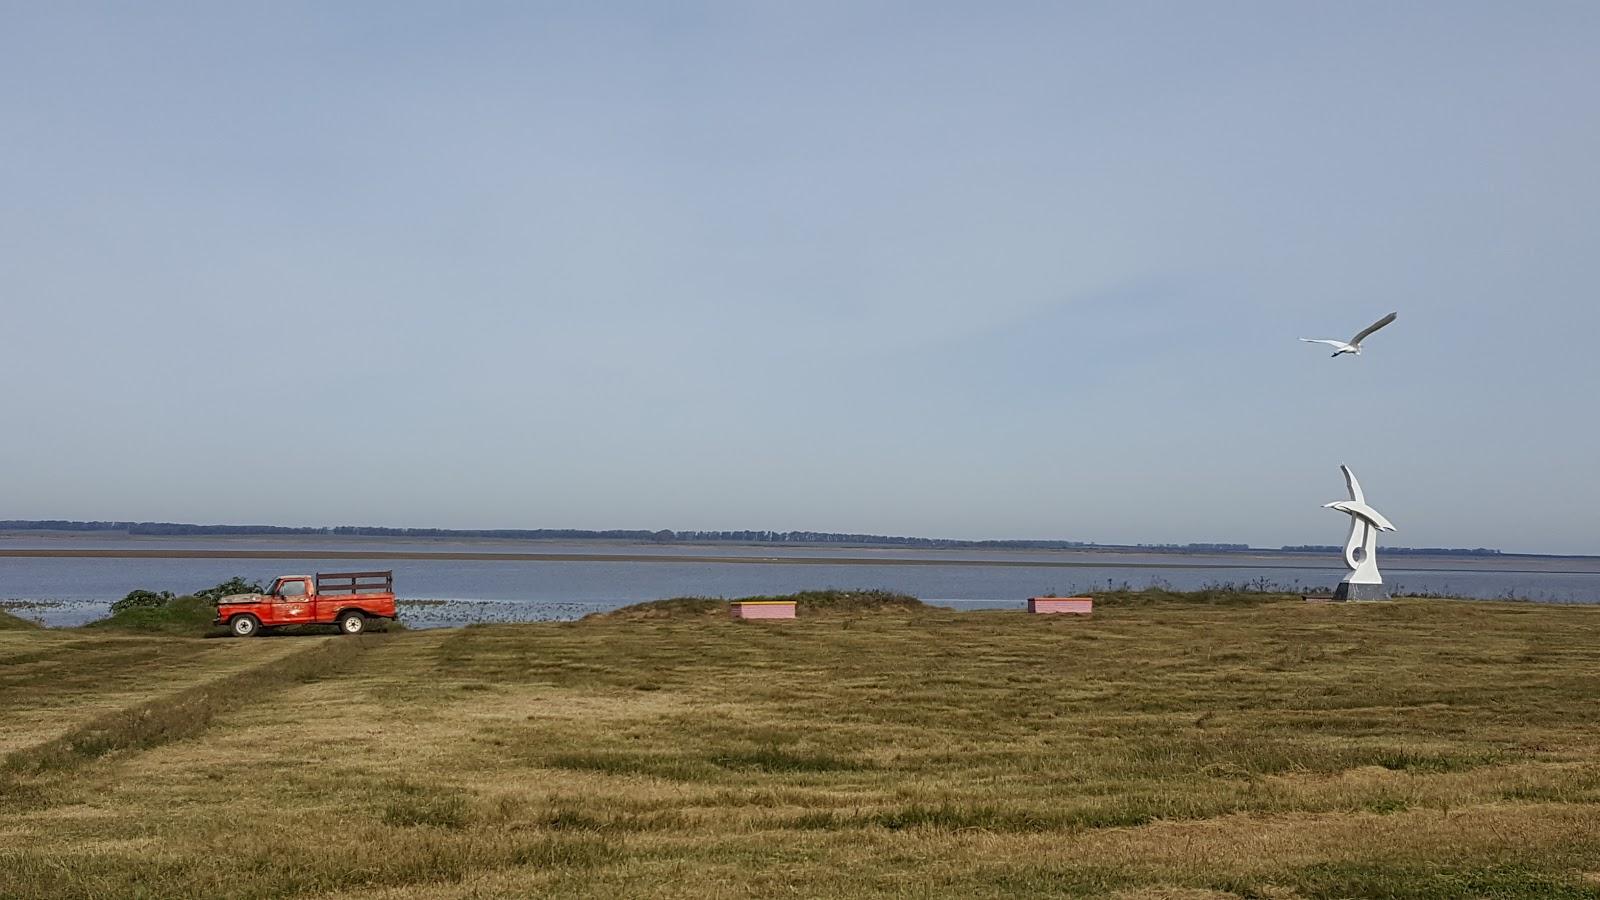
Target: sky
<point x="1020" y="270"/>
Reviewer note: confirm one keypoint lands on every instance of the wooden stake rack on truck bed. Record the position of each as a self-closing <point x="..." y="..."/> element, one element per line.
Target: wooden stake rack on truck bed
<point x="355" y="582"/>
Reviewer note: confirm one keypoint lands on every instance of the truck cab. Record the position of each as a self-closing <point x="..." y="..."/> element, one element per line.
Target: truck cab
<point x="345" y="599"/>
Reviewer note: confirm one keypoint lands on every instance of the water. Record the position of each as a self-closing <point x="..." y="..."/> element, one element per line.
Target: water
<point x="446" y="592"/>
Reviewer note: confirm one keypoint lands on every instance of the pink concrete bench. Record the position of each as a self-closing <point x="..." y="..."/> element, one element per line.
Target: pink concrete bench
<point x="762" y="609"/>
<point x="1079" y="605"/>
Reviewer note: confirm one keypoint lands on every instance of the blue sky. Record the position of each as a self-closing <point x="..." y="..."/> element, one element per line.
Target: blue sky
<point x="1021" y="270"/>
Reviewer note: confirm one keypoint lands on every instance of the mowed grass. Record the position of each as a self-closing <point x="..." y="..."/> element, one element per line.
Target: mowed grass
<point x="52" y="681"/>
<point x="1252" y="746"/>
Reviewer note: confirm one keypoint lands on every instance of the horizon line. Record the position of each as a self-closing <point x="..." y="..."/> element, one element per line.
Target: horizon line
<point x="666" y="535"/>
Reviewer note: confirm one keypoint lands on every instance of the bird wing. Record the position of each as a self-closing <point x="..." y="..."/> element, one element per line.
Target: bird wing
<point x="1373" y="327"/>
<point x="1340" y="344"/>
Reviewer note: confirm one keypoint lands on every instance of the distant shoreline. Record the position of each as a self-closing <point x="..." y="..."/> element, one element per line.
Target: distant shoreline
<point x="67" y="528"/>
<point x="464" y="556"/>
<point x="600" y="557"/>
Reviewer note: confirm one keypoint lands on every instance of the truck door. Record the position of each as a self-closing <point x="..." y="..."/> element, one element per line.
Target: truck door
<point x="291" y="603"/>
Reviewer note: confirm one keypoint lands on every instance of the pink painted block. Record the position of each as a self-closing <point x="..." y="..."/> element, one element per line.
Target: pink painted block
<point x="763" y="609"/>
<point x="1080" y="605"/>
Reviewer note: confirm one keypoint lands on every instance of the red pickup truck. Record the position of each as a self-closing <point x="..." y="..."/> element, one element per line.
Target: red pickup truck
<point x="345" y="599"/>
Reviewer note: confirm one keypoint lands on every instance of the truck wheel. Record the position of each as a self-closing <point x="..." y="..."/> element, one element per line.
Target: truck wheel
<point x="244" y="626"/>
<point x="352" y="623"/>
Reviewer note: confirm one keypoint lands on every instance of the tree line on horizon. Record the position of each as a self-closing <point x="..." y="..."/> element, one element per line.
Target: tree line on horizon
<point x="663" y="536"/>
<point x="1428" y="551"/>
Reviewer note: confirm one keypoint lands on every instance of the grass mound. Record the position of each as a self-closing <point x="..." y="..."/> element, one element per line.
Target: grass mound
<point x="825" y="601"/>
<point x="185" y="615"/>
<point x="1210" y="595"/>
<point x="850" y="601"/>
<point x="9" y="622"/>
<point x="673" y="608"/>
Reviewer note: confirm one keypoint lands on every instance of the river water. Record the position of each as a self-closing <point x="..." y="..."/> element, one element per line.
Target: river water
<point x="445" y="592"/>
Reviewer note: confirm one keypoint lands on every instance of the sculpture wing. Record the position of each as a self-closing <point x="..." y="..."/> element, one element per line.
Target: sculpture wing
<point x="1371" y="515"/>
<point x="1354" y="485"/>
<point x="1373" y="327"/>
<point x="1357" y="508"/>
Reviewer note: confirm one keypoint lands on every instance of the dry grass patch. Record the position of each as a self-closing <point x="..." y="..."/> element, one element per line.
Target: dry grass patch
<point x="1159" y="748"/>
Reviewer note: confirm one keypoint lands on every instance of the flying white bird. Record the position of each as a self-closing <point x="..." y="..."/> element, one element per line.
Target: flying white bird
<point x="1354" y="346"/>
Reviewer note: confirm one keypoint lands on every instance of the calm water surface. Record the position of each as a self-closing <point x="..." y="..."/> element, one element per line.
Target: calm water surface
<point x="71" y="591"/>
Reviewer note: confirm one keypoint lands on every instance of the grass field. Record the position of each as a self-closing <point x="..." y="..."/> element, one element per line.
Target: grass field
<point x="1168" y="747"/>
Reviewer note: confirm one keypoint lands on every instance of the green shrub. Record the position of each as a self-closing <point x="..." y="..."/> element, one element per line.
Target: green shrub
<point x="162" y="611"/>
<point x="234" y="585"/>
<point x="141" y="599"/>
<point x="187" y="615"/>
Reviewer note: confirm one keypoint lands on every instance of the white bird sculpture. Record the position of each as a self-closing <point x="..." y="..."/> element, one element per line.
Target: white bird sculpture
<point x="1354" y="344"/>
<point x="1361" y="548"/>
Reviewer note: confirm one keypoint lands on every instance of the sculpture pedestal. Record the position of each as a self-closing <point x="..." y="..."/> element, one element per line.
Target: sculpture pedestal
<point x="1351" y="591"/>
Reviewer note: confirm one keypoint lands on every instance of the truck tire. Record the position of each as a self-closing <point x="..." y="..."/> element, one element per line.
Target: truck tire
<point x="352" y="622"/>
<point x="244" y="626"/>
